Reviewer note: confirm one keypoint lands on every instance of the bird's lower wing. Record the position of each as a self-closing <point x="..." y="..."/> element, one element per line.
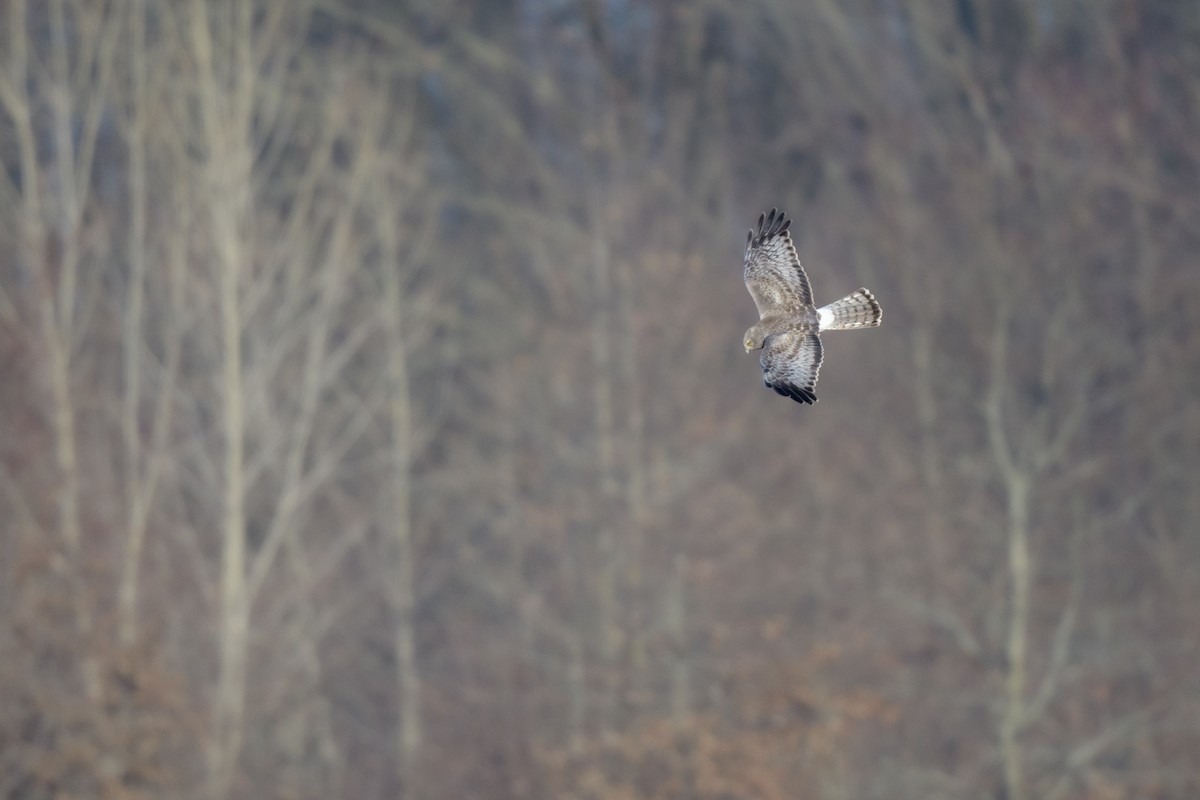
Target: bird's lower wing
<point x="790" y="362"/>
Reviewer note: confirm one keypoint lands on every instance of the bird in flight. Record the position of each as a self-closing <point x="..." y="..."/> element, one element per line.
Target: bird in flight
<point x="789" y="323"/>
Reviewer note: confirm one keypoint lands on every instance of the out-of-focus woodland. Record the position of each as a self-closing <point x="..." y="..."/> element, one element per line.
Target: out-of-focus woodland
<point x="375" y="421"/>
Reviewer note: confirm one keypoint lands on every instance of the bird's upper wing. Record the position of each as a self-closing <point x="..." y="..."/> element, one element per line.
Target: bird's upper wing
<point x="773" y="273"/>
<point x="790" y="362"/>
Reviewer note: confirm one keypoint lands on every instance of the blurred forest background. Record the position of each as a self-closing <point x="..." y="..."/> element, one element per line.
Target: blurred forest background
<point x="376" y="424"/>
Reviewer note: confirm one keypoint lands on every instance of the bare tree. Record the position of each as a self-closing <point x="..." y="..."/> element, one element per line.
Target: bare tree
<point x="56" y="95"/>
<point x="289" y="275"/>
<point x="402" y="321"/>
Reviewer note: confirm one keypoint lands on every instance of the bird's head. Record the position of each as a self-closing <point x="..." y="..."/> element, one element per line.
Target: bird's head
<point x="753" y="340"/>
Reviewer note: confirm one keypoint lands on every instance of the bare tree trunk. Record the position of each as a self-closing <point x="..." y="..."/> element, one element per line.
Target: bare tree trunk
<point x="676" y="624"/>
<point x="575" y="674"/>
<point x="609" y="631"/>
<point x="633" y="453"/>
<point x="1019" y="569"/>
<point x="132" y="336"/>
<point x="224" y="117"/>
<point x="143" y="461"/>
<point x="1016" y="485"/>
<point x="576" y="680"/>
<point x="313" y="755"/>
<point x="233" y="625"/>
<point x="399" y="521"/>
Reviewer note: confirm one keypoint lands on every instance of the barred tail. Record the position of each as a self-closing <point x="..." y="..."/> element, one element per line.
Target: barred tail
<point x="856" y="310"/>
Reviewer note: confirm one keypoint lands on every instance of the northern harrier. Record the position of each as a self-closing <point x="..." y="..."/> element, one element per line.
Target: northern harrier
<point x="789" y="324"/>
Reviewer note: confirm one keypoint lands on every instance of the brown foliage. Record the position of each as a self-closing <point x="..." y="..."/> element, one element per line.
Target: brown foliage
<point x="786" y="727"/>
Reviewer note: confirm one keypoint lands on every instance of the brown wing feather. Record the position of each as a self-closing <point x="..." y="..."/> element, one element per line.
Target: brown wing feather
<point x="790" y="362"/>
<point x="773" y="273"/>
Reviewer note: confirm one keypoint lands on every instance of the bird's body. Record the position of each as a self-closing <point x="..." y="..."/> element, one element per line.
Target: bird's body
<point x="789" y="322"/>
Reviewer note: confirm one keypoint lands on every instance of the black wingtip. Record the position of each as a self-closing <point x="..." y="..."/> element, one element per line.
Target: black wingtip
<point x="805" y="396"/>
<point x="797" y="393"/>
<point x="770" y="224"/>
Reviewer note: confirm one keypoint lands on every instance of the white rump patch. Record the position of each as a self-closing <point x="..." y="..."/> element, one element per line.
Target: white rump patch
<point x="824" y="318"/>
